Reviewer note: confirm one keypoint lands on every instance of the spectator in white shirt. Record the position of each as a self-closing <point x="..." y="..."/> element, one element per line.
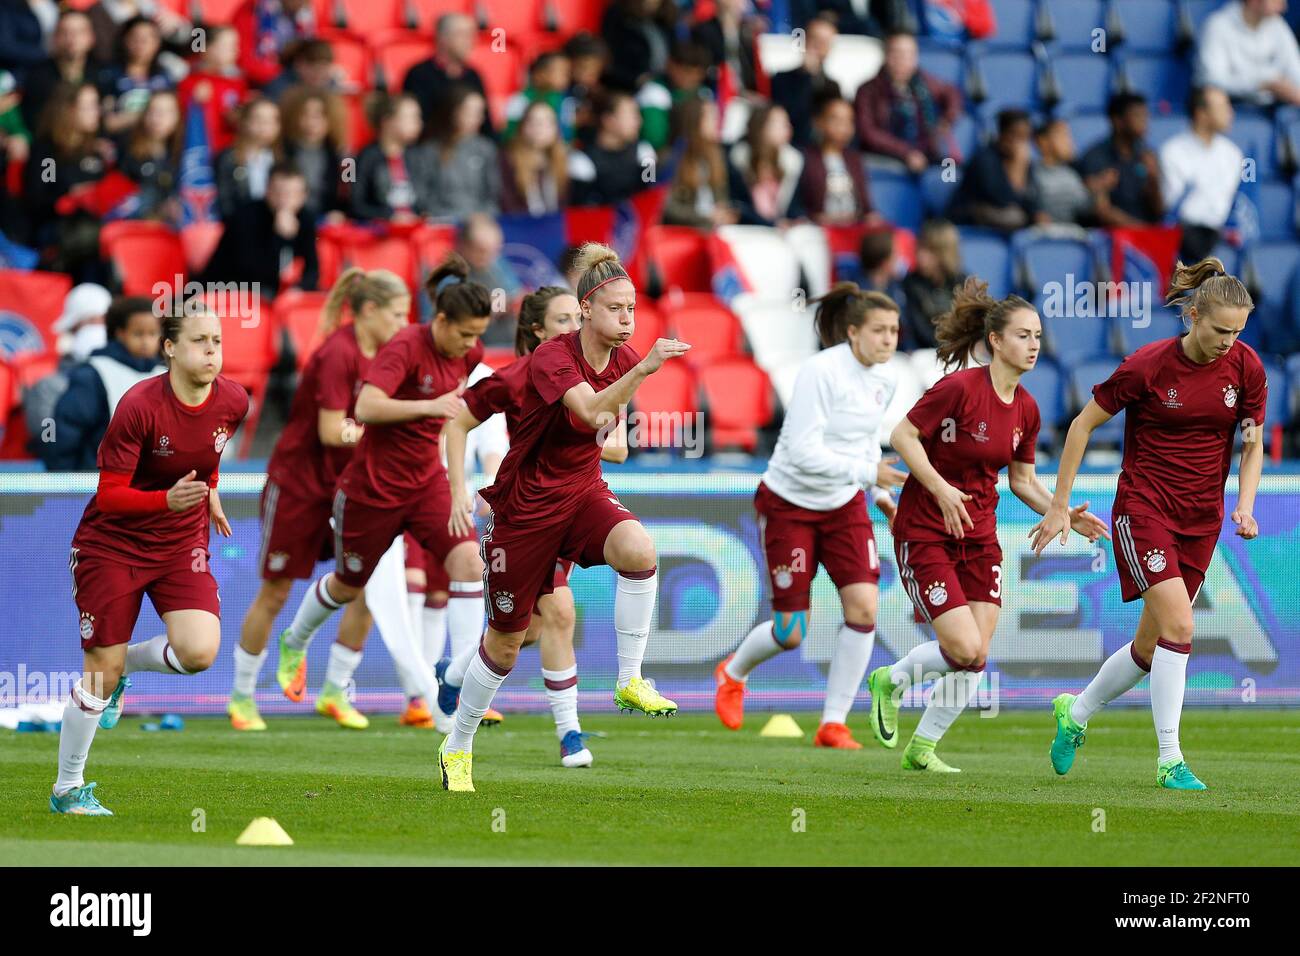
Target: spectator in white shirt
<point x="1250" y="52"/>
<point x="1200" y="171"/>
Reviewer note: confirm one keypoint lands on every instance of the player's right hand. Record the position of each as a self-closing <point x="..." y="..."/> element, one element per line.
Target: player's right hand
<point x="461" y="521"/>
<point x="952" y="504"/>
<point x="887" y="476"/>
<point x="1055" y="522"/>
<point x="663" y="350"/>
<point x="446" y="406"/>
<point x="186" y="493"/>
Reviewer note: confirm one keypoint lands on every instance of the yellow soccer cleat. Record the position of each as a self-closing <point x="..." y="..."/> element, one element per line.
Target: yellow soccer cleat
<point x="291" y="671"/>
<point x="333" y="703"/>
<point x="457" y="767"/>
<point x="639" y="694"/>
<point x="243" y="713"/>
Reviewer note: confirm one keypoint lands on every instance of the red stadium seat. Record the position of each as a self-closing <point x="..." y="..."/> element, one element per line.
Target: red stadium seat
<point x="712" y="330"/>
<point x="359" y="132"/>
<point x="200" y="242"/>
<point x="575" y="16"/>
<point x="353" y="56"/>
<point x="498" y="357"/>
<point x="248" y="353"/>
<point x="666" y="397"/>
<point x="519" y="18"/>
<point x="680" y="256"/>
<point x="361" y="18"/>
<point x="393" y="253"/>
<point x="397" y="53"/>
<point x="8" y="390"/>
<point x="500" y="71"/>
<point x="143" y="253"/>
<point x="299" y="314"/>
<point x="207" y="11"/>
<point x="649" y="326"/>
<point x="738" y="396"/>
<point x="423" y="15"/>
<point x="37" y="299"/>
<point x="431" y="244"/>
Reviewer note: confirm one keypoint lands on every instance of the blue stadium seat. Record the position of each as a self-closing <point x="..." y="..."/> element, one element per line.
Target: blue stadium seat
<point x="986" y="254"/>
<point x="1273" y="265"/>
<point x="1282" y="333"/>
<point x="1165" y="324"/>
<point x="1053" y="260"/>
<point x="1254" y="134"/>
<point x="1009" y="79"/>
<point x="1276" y="212"/>
<point x="945" y="63"/>
<point x="1073" y="22"/>
<point x="935" y="192"/>
<point x="1082" y="378"/>
<point x="897" y="197"/>
<point x="1163" y="79"/>
<point x="1279" y="408"/>
<point x="1293" y="383"/>
<point x="966" y="135"/>
<point x="1074" y="339"/>
<point x="1198" y="10"/>
<point x="1016" y="28"/>
<point x="1164" y="127"/>
<point x="1229" y="256"/>
<point x="1083" y="80"/>
<point x="1088" y="129"/>
<point x="1047" y="386"/>
<point x="1149" y="26"/>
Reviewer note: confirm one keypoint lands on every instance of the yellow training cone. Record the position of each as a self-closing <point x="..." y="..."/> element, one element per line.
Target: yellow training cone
<point x="781" y="725"/>
<point x="264" y="831"/>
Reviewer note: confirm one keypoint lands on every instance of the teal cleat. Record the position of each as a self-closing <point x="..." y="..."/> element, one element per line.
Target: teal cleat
<point x="884" y="708"/>
<point x="1069" y="735"/>
<point x="113" y="712"/>
<point x="79" y="802"/>
<point x="1176" y="775"/>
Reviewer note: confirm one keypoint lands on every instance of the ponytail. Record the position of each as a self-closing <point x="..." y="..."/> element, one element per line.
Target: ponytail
<point x="974" y="317"/>
<point x="1205" y="285"/>
<point x="355" y="287"/>
<point x="845" y="307"/>
<point x="596" y="265"/>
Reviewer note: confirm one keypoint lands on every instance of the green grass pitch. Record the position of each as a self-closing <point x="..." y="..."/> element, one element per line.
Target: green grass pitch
<point x="681" y="791"/>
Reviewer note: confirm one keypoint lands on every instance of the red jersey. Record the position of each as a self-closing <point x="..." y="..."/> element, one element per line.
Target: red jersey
<point x="970" y="435"/>
<point x="1178" y="431"/>
<point x="157" y="440"/>
<point x="330" y="382"/>
<point x="502" y="391"/>
<point x="554" y="460"/>
<point x="393" y="463"/>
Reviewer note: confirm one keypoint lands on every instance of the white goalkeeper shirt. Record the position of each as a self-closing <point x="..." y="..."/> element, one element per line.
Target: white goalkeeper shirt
<point x="829" y="448"/>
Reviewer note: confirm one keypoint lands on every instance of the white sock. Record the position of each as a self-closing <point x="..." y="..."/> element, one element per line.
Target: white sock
<point x="948" y="698"/>
<point x="455" y="675"/>
<point x="80" y="718"/>
<point x="434" y="632"/>
<point x="1168" y="681"/>
<point x="247" y="667"/>
<point x="315" y="610"/>
<point x="921" y="663"/>
<point x="634" y="608"/>
<point x="848" y="666"/>
<point x="562" y="692"/>
<point x="465" y="616"/>
<point x="481" y="684"/>
<point x="1119" y="673"/>
<point x="343" y="664"/>
<point x="155" y="655"/>
<point x="759" y="645"/>
<point x="415" y="615"/>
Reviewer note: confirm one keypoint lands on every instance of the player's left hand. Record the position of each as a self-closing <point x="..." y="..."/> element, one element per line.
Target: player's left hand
<point x="218" y="516"/>
<point x="887" y="476"/>
<point x="889" y="509"/>
<point x="1087" y="524"/>
<point x="1246" y="526"/>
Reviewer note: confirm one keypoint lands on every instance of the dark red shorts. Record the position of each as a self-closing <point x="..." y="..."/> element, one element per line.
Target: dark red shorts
<point x="795" y="540"/>
<point x="435" y="572"/>
<point x="108" y="592"/>
<point x="296" y="533"/>
<point x="523" y="564"/>
<point x="941" y="575"/>
<point x="363" y="533"/>
<point x="1147" y="552"/>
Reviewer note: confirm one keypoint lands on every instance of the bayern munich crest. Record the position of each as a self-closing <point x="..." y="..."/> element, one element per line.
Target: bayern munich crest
<point x="1230" y="395"/>
<point x="782" y="577"/>
<point x="937" y="594"/>
<point x="219" y="439"/>
<point x="352" y="561"/>
<point x="504" y="601"/>
<point x="87" y="625"/>
<point x="277" y="560"/>
<point x="1155" y="561"/>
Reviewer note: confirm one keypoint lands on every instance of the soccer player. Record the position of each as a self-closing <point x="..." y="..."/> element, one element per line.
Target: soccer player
<point x="297" y="499"/>
<point x="549" y="312"/>
<point x="1185" y="398"/>
<point x="396" y="480"/>
<point x="969" y="426"/>
<point x="549" y="502"/>
<point x="146" y="532"/>
<point x="812" y="508"/>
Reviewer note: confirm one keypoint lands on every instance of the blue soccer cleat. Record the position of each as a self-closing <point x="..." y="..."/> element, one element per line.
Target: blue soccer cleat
<point x="573" y="750"/>
<point x="113" y="712"/>
<point x="79" y="802"/>
<point x="1070" y="736"/>
<point x="1176" y="775"/>
<point x="448" y="694"/>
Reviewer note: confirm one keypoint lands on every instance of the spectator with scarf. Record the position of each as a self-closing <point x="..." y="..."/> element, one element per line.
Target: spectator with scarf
<point x="905" y="113"/>
<point x="265" y="27"/>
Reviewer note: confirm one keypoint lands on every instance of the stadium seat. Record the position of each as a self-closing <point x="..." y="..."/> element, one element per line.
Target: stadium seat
<point x="1073" y="22"/>
<point x="1254" y="134"/>
<point x="649" y="326"/>
<point x="498" y="357"/>
<point x="431" y="243"/>
<point x="679" y="257"/>
<point x="986" y="254"/>
<point x="945" y="63"/>
<point x="779" y="336"/>
<point x="352" y="56"/>
<point x="1149" y="26"/>
<point x="765" y="258"/>
<point x="211" y="12"/>
<point x="711" y="328"/>
<point x="1165" y="323"/>
<point x="422" y="15"/>
<point x="1272" y="267"/>
<point x="199" y="240"/>
<point x="338" y="251"/>
<point x="358" y="133"/>
<point x="30" y="304"/>
<point x="1083" y="377"/>
<point x="518" y="18"/>
<point x="1277" y="413"/>
<point x="926" y="365"/>
<point x="501" y="76"/>
<point x="665" y="398"/>
<point x="964" y="136"/>
<point x="395" y="56"/>
<point x="1164" y="80"/>
<point x="575" y="16"/>
<point x="909" y="390"/>
<point x="936" y="191"/>
<point x="1007" y="80"/>
<point x="248" y="348"/>
<point x="298" y="314"/>
<point x="1043" y="260"/>
<point x="896" y="196"/>
<point x="738" y="398"/>
<point x="1083" y="81"/>
<point x="1046" y="384"/>
<point x="8" y="387"/>
<point x="1276" y="212"/>
<point x="820" y="252"/>
<point x="1016" y="25"/>
<point x="1088" y="129"/>
<point x="142" y="253"/>
<point x="1293" y="385"/>
<point x="1162" y="128"/>
<point x="1076" y="338"/>
<point x="1230" y="256"/>
<point x="1197" y="11"/>
<point x="361" y="18"/>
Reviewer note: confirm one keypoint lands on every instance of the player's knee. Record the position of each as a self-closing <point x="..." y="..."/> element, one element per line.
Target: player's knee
<point x="966" y="654"/>
<point x="860" y="616"/>
<point x="340" y="592"/>
<point x="558" y="617"/>
<point x="196" y="659"/>
<point x="1179" y="631"/>
<point x="464" y="564"/>
<point x="789" y="628"/>
<point x="634" y="552"/>
<point x="275" y="593"/>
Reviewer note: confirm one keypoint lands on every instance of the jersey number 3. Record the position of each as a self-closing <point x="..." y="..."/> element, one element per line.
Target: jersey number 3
<point x="997" y="581"/>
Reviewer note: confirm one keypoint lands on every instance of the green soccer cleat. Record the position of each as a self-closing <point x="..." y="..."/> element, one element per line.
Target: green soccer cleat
<point x="1176" y="775"/>
<point x="332" y="702"/>
<point x="457" y="767"/>
<point x="639" y="694"/>
<point x="1069" y="735"/>
<point x="291" y="671"/>
<point x="243" y="713"/>
<point x="113" y="712"/>
<point x="920" y="755"/>
<point x="884" y="708"/>
<point x="79" y="802"/>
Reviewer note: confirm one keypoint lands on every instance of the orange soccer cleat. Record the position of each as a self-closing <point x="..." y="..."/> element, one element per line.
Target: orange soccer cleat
<point x="835" y="735"/>
<point x="729" y="701"/>
<point x="492" y="717"/>
<point x="417" y="714"/>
